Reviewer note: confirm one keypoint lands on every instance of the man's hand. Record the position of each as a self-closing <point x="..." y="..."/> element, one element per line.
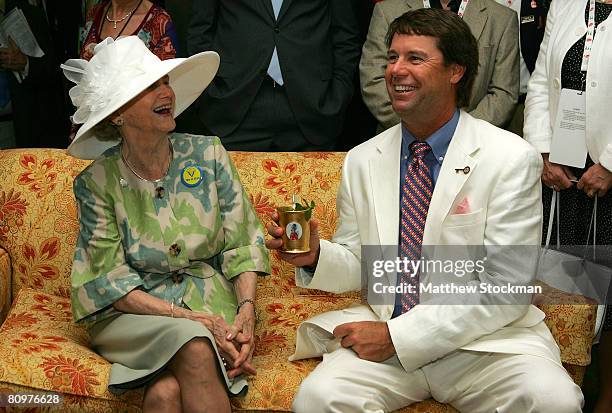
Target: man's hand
<point x="307" y="259"/>
<point x="11" y="57"/>
<point x="597" y="180"/>
<point x="555" y="176"/>
<point x="369" y="339"/>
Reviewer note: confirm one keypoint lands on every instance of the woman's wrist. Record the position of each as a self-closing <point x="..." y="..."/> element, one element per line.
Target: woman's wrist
<point x="247" y="302"/>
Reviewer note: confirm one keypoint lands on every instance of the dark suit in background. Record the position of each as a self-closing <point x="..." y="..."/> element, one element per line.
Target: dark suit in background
<point x="39" y="110"/>
<point x="532" y="22"/>
<point x="318" y="49"/>
<point x="359" y="123"/>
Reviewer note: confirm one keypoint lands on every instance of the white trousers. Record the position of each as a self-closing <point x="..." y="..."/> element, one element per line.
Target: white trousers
<point x="470" y="381"/>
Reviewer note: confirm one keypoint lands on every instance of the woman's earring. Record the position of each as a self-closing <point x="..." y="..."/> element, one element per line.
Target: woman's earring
<point x="118" y="121"/>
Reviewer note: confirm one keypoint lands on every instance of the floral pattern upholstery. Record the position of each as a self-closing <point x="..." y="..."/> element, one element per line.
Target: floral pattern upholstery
<point x="42" y="349"/>
<point x="5" y="284"/>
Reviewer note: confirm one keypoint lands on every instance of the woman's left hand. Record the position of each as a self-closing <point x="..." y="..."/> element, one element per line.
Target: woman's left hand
<point x="597" y="180"/>
<point x="242" y="334"/>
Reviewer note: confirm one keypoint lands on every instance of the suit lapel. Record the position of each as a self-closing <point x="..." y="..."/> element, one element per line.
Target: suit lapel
<point x="384" y="181"/>
<point x="450" y="182"/>
<point x="267" y="5"/>
<point x="286" y="4"/>
<point x="476" y="17"/>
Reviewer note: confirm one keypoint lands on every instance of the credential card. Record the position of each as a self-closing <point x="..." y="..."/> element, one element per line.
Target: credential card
<point x="568" y="145"/>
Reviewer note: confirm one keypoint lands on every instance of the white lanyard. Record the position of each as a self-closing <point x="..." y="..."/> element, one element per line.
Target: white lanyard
<point x="462" y="6"/>
<point x="590" y="35"/>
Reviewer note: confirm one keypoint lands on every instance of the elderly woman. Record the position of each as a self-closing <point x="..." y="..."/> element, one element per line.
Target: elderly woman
<point x="165" y="266"/>
<point x="572" y="69"/>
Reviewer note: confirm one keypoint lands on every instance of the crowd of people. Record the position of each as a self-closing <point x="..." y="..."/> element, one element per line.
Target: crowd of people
<point x="439" y="82"/>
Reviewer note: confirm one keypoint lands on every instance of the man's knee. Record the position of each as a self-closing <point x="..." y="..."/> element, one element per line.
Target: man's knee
<point x="559" y="395"/>
<point x="324" y="393"/>
<point x="316" y="394"/>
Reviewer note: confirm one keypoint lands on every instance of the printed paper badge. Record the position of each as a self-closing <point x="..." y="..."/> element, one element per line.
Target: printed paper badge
<point x="192" y="176"/>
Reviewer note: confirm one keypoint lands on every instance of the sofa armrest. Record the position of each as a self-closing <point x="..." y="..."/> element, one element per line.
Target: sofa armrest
<point x="5" y="284"/>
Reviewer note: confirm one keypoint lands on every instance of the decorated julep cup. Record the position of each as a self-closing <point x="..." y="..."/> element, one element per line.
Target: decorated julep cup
<point x="296" y="229"/>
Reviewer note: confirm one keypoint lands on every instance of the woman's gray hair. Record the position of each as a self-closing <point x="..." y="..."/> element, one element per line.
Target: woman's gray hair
<point x="106" y="131"/>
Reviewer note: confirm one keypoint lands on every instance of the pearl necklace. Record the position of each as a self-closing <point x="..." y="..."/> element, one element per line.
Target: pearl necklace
<point x="131" y="168"/>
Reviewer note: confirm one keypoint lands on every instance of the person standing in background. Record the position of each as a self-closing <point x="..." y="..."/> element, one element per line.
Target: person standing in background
<point x="572" y="71"/>
<point x="286" y="74"/>
<point x="532" y="21"/>
<point x="359" y="123"/>
<point x="35" y="83"/>
<point x="141" y="18"/>
<point x="496" y="86"/>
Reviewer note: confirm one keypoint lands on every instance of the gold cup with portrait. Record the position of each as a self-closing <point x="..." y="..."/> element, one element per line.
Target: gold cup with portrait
<point x="296" y="228"/>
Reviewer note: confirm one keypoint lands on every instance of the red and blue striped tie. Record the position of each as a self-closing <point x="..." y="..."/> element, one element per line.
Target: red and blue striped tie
<point x="416" y="194"/>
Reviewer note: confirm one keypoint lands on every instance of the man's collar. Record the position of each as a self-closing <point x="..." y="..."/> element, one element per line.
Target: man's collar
<point x="438" y="141"/>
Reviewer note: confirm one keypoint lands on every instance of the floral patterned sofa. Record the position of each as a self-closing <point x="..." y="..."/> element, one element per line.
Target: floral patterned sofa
<point x="42" y="350"/>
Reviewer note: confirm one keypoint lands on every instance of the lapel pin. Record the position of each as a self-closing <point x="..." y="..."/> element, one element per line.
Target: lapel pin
<point x="122" y="182"/>
<point x="465" y="170"/>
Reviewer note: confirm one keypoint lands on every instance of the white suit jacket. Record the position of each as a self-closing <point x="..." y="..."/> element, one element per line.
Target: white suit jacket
<point x="504" y="192"/>
<point x="564" y="26"/>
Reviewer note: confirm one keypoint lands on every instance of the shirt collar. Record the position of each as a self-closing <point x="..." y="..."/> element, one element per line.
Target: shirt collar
<point x="438" y="141"/>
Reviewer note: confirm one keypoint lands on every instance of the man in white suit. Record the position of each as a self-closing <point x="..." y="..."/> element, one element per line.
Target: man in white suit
<point x="485" y="192"/>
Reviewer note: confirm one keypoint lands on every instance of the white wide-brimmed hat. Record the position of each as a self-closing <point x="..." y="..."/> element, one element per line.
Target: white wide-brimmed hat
<point x="118" y="72"/>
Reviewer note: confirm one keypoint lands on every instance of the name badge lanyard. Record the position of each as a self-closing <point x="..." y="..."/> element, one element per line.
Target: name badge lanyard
<point x="462" y="6"/>
<point x="588" y="42"/>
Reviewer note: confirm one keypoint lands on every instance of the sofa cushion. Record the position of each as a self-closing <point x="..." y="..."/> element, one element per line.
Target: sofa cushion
<point x="41" y="348"/>
<point x="38" y="217"/>
<point x="5" y="284"/>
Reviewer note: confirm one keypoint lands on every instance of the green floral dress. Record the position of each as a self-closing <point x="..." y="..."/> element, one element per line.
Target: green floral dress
<point x="181" y="239"/>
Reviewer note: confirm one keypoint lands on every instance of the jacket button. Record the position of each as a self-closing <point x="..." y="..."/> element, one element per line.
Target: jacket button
<point x="556" y="83"/>
<point x="602" y="28"/>
<point x="276" y="29"/>
<point x="174" y="249"/>
<point x="593" y="84"/>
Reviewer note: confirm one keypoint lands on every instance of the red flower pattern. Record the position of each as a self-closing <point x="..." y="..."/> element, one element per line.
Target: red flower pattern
<point x="12" y="210"/>
<point x="33" y="343"/>
<point x="56" y="310"/>
<point x="261" y="204"/>
<point x="68" y="374"/>
<point x="40" y="178"/>
<point x="290" y="316"/>
<point x="35" y="266"/>
<point x="284" y="178"/>
<point x="268" y="341"/>
<point x="19" y="320"/>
